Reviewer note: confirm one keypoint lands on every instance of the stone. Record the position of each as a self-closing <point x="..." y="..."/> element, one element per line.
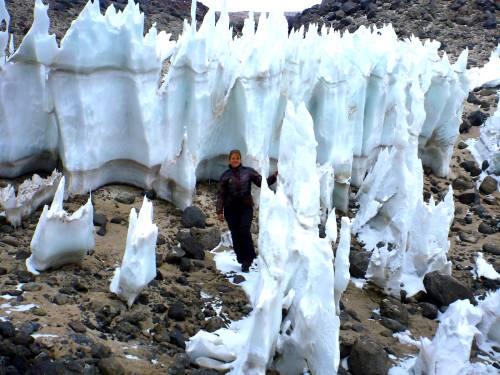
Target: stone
<point x="110" y="366"/>
<point x="98" y="350"/>
<point x="444" y="289"/>
<point x="177" y="338"/>
<point x="491" y="248"/>
<point x="192" y="247"/>
<point x="489" y="185"/>
<point x="486" y="229"/>
<point x="125" y="197"/>
<point x="61" y="299"/>
<point x="238" y="279"/>
<point x="461" y="145"/>
<point x="358" y="263"/>
<point x="468" y="198"/>
<point x="367" y="358"/>
<point x="7" y="329"/>
<point x="77" y="326"/>
<point x="460" y="183"/>
<point x="477" y="118"/>
<point x="471" y="167"/>
<point x="393" y="309"/>
<point x="193" y="216"/>
<point x="429" y="310"/>
<point x="393" y="325"/>
<point x="209" y="238"/>
<point x="177" y="312"/>
<point x="467" y="237"/>
<point x="100" y="219"/>
<point x="29" y="327"/>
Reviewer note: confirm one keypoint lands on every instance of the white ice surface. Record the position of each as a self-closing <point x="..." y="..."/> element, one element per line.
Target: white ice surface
<point x="31" y="194"/>
<point x="61" y="238"/>
<point x="292" y="265"/>
<point x="484" y="269"/>
<point x="138" y="266"/>
<point x="487" y="75"/>
<point x="449" y="351"/>
<point x="364" y="90"/>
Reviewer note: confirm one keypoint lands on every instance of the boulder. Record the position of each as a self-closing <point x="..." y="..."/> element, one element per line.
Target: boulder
<point x="444" y="289"/>
<point x="489" y="185"/>
<point x="192" y="216"/>
<point x="367" y="358"/>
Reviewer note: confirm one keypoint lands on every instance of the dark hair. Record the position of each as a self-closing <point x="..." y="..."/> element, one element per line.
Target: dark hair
<point x="234" y="152"/>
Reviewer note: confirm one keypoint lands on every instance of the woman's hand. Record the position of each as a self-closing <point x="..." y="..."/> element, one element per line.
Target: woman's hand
<point x="221" y="217"/>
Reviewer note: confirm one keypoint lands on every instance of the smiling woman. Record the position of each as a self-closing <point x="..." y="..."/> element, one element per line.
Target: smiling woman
<point x="261" y="5"/>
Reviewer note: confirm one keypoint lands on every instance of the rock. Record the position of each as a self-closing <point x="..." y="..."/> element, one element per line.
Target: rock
<point x="61" y="299"/>
<point x="489" y="185"/>
<point x="100" y="219"/>
<point x="5" y="228"/>
<point x="444" y="289"/>
<point x="468" y="198"/>
<point x="7" y="329"/>
<point x="491" y="248"/>
<point x="461" y="145"/>
<point x="393" y="325"/>
<point x="471" y="167"/>
<point x="23" y="339"/>
<point x="3" y="271"/>
<point x="29" y="327"/>
<point x="177" y="338"/>
<point x="467" y="237"/>
<point x="393" y="309"/>
<point x="193" y="248"/>
<point x="110" y="366"/>
<point x="429" y="310"/>
<point x="192" y="216"/>
<point x="11" y="241"/>
<point x="486" y="229"/>
<point x="238" y="279"/>
<point x="125" y="197"/>
<point x="38" y="311"/>
<point x="79" y="285"/>
<point x="98" y="350"/>
<point x="477" y="118"/>
<point x="177" y="311"/>
<point x="461" y="183"/>
<point x="174" y="255"/>
<point x="358" y="263"/>
<point x="22" y="254"/>
<point x="160" y="240"/>
<point x="209" y="238"/>
<point x="214" y="323"/>
<point x="77" y="326"/>
<point x="367" y="358"/>
<point x="485" y="165"/>
<point x="25" y="277"/>
<point x="117" y="220"/>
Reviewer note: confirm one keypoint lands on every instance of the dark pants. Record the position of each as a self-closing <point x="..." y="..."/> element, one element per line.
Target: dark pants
<point x="239" y="219"/>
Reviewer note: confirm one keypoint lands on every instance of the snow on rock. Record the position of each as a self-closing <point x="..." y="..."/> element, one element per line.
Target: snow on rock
<point x="484" y="269"/>
<point x="449" y="351"/>
<point x="32" y="194"/>
<point x="407" y="237"/>
<point x="61" y="238"/>
<point x="296" y="274"/>
<point x="138" y="266"/>
<point x="362" y="90"/>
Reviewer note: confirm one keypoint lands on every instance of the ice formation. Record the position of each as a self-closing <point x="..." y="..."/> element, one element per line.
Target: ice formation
<point x="449" y="351"/>
<point x="138" y="266"/>
<point x="296" y="274"/>
<point x="487" y="147"/>
<point x="484" y="269"/>
<point x="407" y="237"/>
<point x="361" y="89"/>
<point x="61" y="238"/>
<point x="31" y="194"/>
<point x="489" y="74"/>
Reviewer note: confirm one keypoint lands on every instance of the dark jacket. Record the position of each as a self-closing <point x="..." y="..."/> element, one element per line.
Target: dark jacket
<point x="235" y="186"/>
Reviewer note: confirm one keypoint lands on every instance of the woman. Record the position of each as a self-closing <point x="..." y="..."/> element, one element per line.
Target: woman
<point x="235" y="203"/>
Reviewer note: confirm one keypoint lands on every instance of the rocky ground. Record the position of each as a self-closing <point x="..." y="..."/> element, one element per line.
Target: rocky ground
<point x="73" y="324"/>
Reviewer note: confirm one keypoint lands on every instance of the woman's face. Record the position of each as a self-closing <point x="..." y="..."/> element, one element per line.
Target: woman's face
<point x="234" y="160"/>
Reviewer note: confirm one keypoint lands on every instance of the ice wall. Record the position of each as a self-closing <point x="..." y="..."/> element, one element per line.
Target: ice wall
<point x="31" y="194"/>
<point x="98" y="101"/>
<point x="294" y="315"/>
<point x="61" y="238"/>
<point x="138" y="266"/>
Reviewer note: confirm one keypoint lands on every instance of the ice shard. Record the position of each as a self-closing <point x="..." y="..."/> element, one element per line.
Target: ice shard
<point x="31" y="194"/>
<point x="61" y="238"/>
<point x="138" y="266"/>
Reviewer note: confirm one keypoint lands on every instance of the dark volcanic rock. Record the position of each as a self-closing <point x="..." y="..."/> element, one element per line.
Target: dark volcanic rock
<point x="429" y="310"/>
<point x="368" y="358"/>
<point x="489" y="185"/>
<point x="190" y="245"/>
<point x="477" y="118"/>
<point x="486" y="229"/>
<point x="358" y="263"/>
<point x="461" y="183"/>
<point x="468" y="197"/>
<point x="125" y="197"/>
<point x="393" y="309"/>
<point x="444" y="289"/>
<point x="110" y="366"/>
<point x="209" y="238"/>
<point x="192" y="216"/>
<point x="177" y="311"/>
<point x="491" y="248"/>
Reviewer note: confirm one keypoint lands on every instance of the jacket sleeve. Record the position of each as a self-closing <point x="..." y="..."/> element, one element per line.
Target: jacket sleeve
<point x="221" y="195"/>
<point x="257" y="178"/>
